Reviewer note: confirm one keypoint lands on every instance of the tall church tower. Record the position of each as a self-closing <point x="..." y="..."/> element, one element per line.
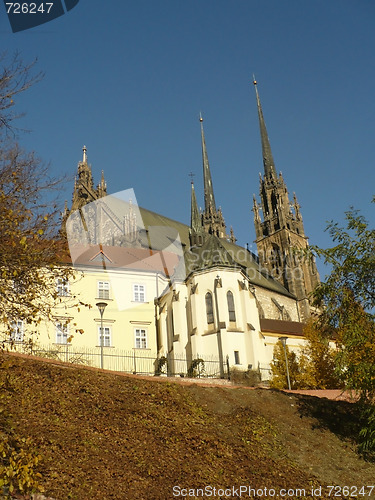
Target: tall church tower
<point x="280" y="235"/>
<point x="84" y="191"/>
<point x="212" y="219"/>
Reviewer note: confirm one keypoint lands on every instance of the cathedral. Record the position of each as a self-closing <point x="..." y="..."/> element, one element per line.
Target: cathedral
<point x="216" y="298"/>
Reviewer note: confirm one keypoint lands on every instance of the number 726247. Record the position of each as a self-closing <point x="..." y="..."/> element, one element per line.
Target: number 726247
<point x="29" y="8"/>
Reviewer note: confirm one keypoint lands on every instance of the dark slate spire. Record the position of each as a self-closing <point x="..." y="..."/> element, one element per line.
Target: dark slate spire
<point x="212" y="219"/>
<point x="268" y="162"/>
<point x="209" y="199"/>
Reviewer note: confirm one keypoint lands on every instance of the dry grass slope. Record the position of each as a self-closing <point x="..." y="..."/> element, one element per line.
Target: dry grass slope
<point x="107" y="436"/>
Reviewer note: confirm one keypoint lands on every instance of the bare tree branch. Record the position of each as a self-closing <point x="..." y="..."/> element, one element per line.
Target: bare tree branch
<point x="15" y="78"/>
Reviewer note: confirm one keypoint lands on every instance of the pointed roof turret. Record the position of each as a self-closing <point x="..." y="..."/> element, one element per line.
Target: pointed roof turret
<point x="209" y="199"/>
<point x="268" y="161"/>
<point x="195" y="218"/>
<point x="196" y="231"/>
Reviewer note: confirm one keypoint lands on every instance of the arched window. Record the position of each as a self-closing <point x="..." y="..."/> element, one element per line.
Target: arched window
<point x="231" y="309"/>
<point x="209" y="308"/>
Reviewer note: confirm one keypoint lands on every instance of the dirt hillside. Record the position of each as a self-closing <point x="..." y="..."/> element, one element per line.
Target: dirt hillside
<point x="109" y="436"/>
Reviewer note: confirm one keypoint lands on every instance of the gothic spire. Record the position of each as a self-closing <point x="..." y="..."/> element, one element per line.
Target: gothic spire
<point x="212" y="219"/>
<point x="209" y="199"/>
<point x="268" y="161"/>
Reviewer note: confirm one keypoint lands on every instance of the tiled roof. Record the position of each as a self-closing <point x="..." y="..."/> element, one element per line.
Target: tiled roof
<point x="161" y="233"/>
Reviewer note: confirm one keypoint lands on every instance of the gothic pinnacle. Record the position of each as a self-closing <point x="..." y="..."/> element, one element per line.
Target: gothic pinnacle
<point x="84" y="149"/>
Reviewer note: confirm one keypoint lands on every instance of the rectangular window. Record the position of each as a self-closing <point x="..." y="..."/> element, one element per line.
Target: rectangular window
<point x="62" y="332"/>
<point x="62" y="287"/>
<point x="237" y="357"/>
<point x="106" y="337"/>
<point x="16" y="333"/>
<point x="140" y="338"/>
<point x="139" y="293"/>
<point x="103" y="290"/>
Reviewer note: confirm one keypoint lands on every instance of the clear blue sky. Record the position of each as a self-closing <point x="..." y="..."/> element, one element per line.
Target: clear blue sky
<point x="128" y="80"/>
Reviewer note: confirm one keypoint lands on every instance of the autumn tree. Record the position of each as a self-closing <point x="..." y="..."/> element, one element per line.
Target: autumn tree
<point x="31" y="253"/>
<point x="314" y="366"/>
<point x="30" y="262"/>
<point x="319" y="358"/>
<point x="296" y="368"/>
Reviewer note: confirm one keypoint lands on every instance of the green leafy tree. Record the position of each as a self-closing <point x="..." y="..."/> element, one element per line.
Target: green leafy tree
<point x="355" y="337"/>
<point x="347" y="303"/>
